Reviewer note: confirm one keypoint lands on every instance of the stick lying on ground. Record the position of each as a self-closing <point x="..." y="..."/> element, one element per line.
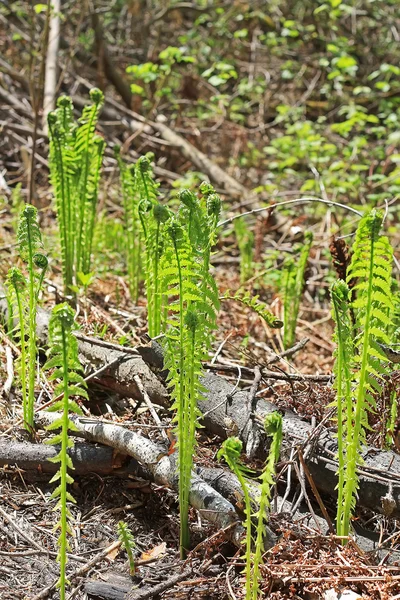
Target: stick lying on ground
<point x="211" y="505"/>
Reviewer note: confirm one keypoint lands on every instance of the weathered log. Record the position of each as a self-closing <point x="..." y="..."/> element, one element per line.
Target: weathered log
<point x="224" y="414"/>
<point x="99" y="459"/>
<point x="212" y="506"/>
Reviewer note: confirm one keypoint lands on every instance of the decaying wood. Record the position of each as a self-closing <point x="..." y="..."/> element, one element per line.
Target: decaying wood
<point x="226" y="414"/>
<point x="210" y="504"/>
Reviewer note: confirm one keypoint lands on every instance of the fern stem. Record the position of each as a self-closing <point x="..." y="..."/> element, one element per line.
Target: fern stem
<point x="32" y="330"/>
<point x="23" y="353"/>
<point x="184" y="517"/>
<point x="63" y="468"/>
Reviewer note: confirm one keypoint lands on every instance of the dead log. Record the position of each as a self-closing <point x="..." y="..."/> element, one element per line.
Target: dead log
<point x="224" y="414"/>
<point x="102" y="460"/>
<point x="154" y="457"/>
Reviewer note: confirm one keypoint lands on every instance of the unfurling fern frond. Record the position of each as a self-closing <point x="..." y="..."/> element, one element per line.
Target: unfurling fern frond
<point x="190" y="298"/>
<point x="371" y="265"/>
<point x="127" y="543"/>
<point x="76" y="154"/>
<point x="63" y="358"/>
<point x="31" y="251"/>
<point x="18" y="320"/>
<point x="255" y="304"/>
<point x="293" y="284"/>
<point x="344" y="361"/>
<point x="152" y="216"/>
<point x="231" y="450"/>
<point x="273" y="427"/>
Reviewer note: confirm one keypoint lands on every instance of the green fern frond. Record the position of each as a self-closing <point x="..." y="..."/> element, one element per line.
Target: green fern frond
<point x="293" y="284"/>
<point x="372" y="265"/>
<point x="231" y="450"/>
<point x="63" y="357"/>
<point x="31" y="250"/>
<point x="255" y="304"/>
<point x="273" y="427"/>
<point x="127" y="543"/>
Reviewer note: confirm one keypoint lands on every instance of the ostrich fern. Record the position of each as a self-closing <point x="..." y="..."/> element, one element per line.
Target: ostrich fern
<point x="63" y="358"/>
<point x="293" y="285"/>
<point x="190" y="294"/>
<point x="76" y="154"/>
<point x="371" y="265"/>
<point x="25" y="295"/>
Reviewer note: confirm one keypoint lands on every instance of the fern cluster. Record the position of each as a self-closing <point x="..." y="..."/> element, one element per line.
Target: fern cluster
<point x="293" y="283"/>
<point x="371" y="301"/>
<point x="190" y="294"/>
<point x="63" y="360"/>
<point x="76" y="155"/>
<point x="23" y="294"/>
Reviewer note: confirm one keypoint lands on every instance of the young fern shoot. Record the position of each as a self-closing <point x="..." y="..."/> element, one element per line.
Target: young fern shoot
<point x="76" y="154"/>
<point x="344" y="355"/>
<point x="293" y="284"/>
<point x="273" y="426"/>
<point x="17" y="303"/>
<point x="371" y="264"/>
<point x="31" y="252"/>
<point x="127" y="543"/>
<point x="231" y="450"/>
<point x="63" y="358"/>
<point x="190" y="294"/>
<point x="152" y="216"/>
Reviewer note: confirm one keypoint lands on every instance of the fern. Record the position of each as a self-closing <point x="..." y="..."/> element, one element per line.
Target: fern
<point x="189" y="292"/>
<point x="130" y="197"/>
<point x="273" y="426"/>
<point x="76" y="154"/>
<point x="255" y="304"/>
<point x="344" y="356"/>
<point x="63" y="358"/>
<point x="231" y="450"/>
<point x="16" y="297"/>
<point x="127" y="543"/>
<point x="153" y="217"/>
<point x="30" y="248"/>
<point x="293" y="283"/>
<point x="371" y="264"/>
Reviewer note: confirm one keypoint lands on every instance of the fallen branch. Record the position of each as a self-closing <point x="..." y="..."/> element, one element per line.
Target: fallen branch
<point x="379" y="476"/>
<point x="211" y="505"/>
